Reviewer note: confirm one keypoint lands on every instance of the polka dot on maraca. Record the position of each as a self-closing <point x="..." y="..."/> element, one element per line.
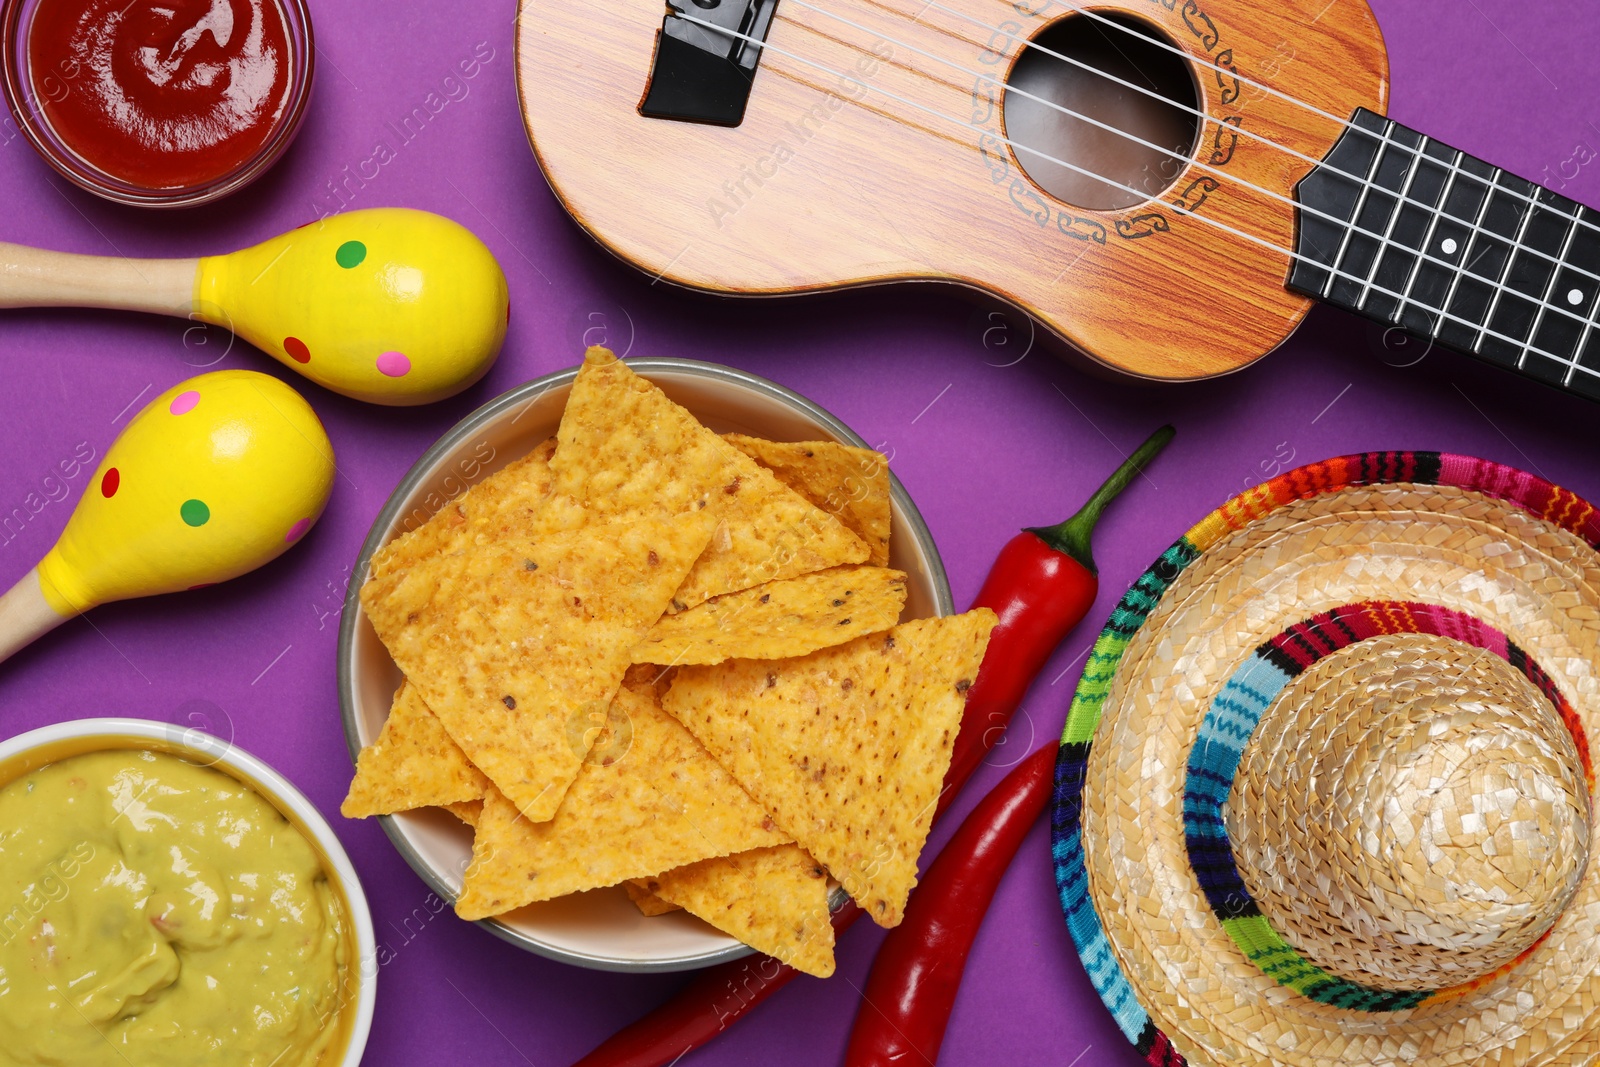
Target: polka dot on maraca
<point x="297" y="349"/>
<point x="184" y="402"/>
<point x="394" y="364"/>
<point x="109" y="482"/>
<point x="195" y="512"/>
<point x="350" y="254"/>
<point x="297" y="531"/>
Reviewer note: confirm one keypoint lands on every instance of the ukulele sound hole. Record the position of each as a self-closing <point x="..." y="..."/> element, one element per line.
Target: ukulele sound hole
<point x="1126" y="51"/>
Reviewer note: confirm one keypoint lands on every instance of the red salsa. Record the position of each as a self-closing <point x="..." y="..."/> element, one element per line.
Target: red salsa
<point x="162" y="94"/>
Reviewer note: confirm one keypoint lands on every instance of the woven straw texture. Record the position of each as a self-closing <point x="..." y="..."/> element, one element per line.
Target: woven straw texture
<point x="1412" y="812"/>
<point x="1450" y="807"/>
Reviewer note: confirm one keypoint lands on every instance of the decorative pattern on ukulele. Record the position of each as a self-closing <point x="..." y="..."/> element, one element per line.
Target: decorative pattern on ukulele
<point x="988" y="95"/>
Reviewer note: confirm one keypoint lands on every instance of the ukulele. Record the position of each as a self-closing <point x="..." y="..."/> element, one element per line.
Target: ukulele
<point x="1168" y="185"/>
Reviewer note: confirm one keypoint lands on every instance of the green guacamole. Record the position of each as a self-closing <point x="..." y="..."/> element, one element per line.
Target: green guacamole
<point x="154" y="912"/>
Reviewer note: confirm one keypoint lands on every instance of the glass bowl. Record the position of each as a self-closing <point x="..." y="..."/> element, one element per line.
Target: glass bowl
<point x="26" y="100"/>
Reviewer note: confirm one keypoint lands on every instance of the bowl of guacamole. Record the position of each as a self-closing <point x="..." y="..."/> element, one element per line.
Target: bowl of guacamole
<point x="168" y="899"/>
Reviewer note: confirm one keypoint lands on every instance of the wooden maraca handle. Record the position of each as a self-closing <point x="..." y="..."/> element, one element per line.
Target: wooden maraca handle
<point x="25" y="616"/>
<point x="33" y="277"/>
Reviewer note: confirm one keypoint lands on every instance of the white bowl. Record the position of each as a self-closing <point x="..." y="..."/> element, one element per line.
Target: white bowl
<point x="600" y="929"/>
<point x="50" y="744"/>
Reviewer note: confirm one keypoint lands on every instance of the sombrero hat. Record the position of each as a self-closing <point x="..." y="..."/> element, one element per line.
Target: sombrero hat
<point x="1325" y="792"/>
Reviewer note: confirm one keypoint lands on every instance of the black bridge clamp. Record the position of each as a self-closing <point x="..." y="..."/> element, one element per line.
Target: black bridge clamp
<point x="701" y="74"/>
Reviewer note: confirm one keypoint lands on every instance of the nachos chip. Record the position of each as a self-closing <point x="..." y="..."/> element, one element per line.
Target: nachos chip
<point x="647" y="902"/>
<point x="626" y="451"/>
<point x="849" y="483"/>
<point x="468" y="811"/>
<point x="512" y="504"/>
<point x="515" y="646"/>
<point x="412" y="764"/>
<point x="846" y="747"/>
<point x="662" y="803"/>
<point x="779" y="620"/>
<point x="774" y="899"/>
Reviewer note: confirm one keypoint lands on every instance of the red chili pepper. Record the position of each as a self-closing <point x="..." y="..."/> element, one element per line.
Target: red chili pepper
<point x="1041" y="585"/>
<point x="907" y="1000"/>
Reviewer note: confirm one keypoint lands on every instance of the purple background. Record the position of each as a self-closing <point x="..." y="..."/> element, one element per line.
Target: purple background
<point x="984" y="448"/>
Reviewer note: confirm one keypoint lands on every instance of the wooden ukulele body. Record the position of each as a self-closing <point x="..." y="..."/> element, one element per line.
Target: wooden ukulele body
<point x="830" y="182"/>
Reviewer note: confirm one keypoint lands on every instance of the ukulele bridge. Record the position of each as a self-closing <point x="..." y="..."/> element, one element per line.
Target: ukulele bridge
<point x="706" y="59"/>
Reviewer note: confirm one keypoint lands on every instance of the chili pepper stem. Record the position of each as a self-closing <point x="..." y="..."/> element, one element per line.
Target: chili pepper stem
<point x="1075" y="536"/>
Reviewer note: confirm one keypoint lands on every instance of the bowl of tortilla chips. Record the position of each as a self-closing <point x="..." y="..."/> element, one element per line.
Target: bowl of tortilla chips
<point x="649" y="664"/>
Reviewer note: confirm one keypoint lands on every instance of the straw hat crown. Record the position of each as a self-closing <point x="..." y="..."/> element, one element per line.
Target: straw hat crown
<point x="1413" y="817"/>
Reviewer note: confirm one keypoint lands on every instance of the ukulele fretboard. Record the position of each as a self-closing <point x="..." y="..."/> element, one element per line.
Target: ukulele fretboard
<point x="1414" y="234"/>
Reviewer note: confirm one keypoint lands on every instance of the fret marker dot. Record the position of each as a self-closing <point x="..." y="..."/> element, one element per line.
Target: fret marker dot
<point x="1448" y="245"/>
<point x="1575" y="297"/>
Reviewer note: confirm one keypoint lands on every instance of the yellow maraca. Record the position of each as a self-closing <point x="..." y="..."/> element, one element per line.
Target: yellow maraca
<point x="215" y="477"/>
<point x="387" y="305"/>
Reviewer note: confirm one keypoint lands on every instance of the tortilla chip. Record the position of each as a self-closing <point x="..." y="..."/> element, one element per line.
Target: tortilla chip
<point x="512" y="504"/>
<point x="773" y="899"/>
<point x="469" y="811"/>
<point x="626" y="451"/>
<point x="516" y="647"/>
<point x="846" y="747"/>
<point x="780" y="619"/>
<point x="647" y="902"/>
<point x="849" y="483"/>
<point x="660" y="802"/>
<point x="412" y="764"/>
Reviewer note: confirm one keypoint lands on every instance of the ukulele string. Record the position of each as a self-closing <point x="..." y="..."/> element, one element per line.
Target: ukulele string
<point x="1384" y="239"/>
<point x="1204" y="117"/>
<point x="1527" y="347"/>
<point x="1200" y="61"/>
